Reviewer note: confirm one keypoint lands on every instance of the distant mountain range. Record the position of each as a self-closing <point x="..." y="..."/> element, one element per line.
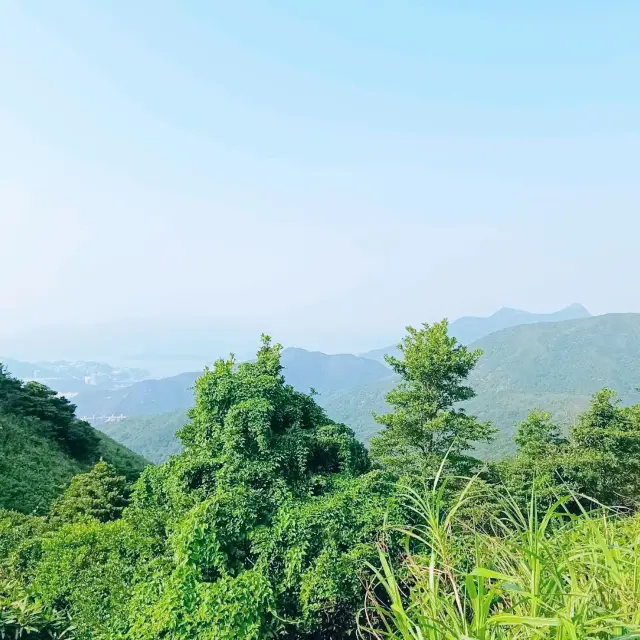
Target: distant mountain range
<point x="303" y="369"/>
<point x="468" y="329"/>
<point x="327" y="374"/>
<point x="554" y="366"/>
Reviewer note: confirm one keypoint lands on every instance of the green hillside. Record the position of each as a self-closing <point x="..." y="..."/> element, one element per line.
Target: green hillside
<point x="573" y="357"/>
<point x="552" y="366"/>
<point x="43" y="445"/>
<point x="152" y="436"/>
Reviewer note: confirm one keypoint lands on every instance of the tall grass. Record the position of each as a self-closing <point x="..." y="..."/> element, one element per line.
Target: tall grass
<point x="519" y="574"/>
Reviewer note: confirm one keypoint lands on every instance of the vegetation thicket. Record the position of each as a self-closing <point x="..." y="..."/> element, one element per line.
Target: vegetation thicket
<point x="275" y="522"/>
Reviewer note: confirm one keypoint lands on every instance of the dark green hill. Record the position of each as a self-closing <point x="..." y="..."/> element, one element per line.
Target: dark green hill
<point x="572" y="357"/>
<point x="43" y="445"/>
<point x="468" y="329"/>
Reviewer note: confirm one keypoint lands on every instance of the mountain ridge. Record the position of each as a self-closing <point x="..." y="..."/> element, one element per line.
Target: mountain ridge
<point x="468" y="329"/>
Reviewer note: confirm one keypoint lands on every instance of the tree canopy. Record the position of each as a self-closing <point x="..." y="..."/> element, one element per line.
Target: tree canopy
<point x="425" y="424"/>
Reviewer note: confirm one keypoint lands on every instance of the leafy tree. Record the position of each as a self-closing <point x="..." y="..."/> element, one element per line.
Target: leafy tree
<point x="425" y="423"/>
<point x="101" y="494"/>
<point x="538" y="436"/>
<point x="538" y="464"/>
<point x="600" y="459"/>
<point x="605" y="451"/>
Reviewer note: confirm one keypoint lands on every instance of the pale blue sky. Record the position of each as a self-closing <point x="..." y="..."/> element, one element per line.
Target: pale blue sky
<point x="326" y="171"/>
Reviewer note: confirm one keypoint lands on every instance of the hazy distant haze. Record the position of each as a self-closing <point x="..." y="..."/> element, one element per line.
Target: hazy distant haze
<point x="177" y="174"/>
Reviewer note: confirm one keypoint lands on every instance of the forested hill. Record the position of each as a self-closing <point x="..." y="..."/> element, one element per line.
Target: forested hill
<point x="468" y="329"/>
<point x="43" y="445"/>
<point x="575" y="357"/>
<point x="552" y="366"/>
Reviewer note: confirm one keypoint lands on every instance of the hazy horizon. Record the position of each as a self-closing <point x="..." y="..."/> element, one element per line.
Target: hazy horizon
<point x="158" y="349"/>
<point x="183" y="174"/>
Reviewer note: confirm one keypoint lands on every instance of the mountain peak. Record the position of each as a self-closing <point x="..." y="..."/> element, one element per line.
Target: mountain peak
<point x="573" y="311"/>
<point x="506" y="312"/>
<point x="577" y="308"/>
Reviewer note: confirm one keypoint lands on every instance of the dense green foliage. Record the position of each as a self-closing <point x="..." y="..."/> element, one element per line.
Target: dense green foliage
<point x="100" y="494"/>
<point x="260" y="527"/>
<point x="599" y="458"/>
<point x="36" y="401"/>
<point x="273" y="521"/>
<point x="425" y="425"/>
<point x="43" y="445"/>
<point x="21" y="618"/>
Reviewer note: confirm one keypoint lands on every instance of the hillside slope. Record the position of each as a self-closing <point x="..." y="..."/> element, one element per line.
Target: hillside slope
<point x="468" y="329"/>
<point x="43" y="445"/>
<point x="573" y="357"/>
<point x="152" y="436"/>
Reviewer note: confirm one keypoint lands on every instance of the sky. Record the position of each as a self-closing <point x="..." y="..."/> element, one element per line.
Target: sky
<point x="327" y="172"/>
